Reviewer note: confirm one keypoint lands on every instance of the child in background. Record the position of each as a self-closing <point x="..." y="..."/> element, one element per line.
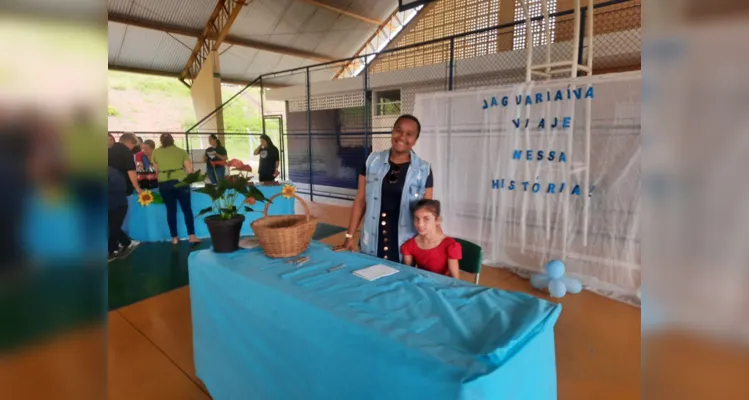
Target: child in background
<point x="430" y="249"/>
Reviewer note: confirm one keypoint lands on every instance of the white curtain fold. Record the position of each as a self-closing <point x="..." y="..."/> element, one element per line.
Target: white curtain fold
<point x="520" y="191"/>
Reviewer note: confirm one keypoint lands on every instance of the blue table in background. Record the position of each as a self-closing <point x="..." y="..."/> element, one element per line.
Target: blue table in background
<point x="269" y="330"/>
<point x="148" y="224"/>
<point x="55" y="232"/>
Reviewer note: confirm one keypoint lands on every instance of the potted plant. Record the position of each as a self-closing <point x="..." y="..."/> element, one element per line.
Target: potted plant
<point x="225" y="222"/>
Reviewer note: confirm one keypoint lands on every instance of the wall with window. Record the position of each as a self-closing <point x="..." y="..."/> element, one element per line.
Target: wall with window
<point x="616" y="18"/>
<point x="343" y="132"/>
<point x="450" y="17"/>
<point x="442" y="19"/>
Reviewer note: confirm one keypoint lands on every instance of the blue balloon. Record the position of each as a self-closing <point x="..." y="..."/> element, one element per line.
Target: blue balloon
<point x="557" y="288"/>
<point x="539" y="281"/>
<point x="573" y="285"/>
<point x="555" y="269"/>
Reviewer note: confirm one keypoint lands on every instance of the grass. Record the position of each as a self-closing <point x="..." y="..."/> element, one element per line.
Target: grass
<point x="241" y="146"/>
<point x="148" y="84"/>
<point x="189" y="122"/>
<point x="112" y="112"/>
<point x="242" y="115"/>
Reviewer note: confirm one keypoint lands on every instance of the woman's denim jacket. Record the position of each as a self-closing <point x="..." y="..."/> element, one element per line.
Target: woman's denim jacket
<point x="378" y="166"/>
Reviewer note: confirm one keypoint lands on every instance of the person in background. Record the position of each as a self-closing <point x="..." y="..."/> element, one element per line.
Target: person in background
<point x="143" y="158"/>
<point x="215" y="158"/>
<point x="136" y="149"/>
<point x="390" y="183"/>
<point x="173" y="164"/>
<point x="121" y="159"/>
<point x="111" y="140"/>
<point x="269" y="159"/>
<point x="19" y="138"/>
<point x="146" y="171"/>
<point x="119" y="243"/>
<point x="431" y="249"/>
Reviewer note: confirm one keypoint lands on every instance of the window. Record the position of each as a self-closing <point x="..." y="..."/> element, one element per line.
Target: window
<point x="534" y="9"/>
<point x="387" y="103"/>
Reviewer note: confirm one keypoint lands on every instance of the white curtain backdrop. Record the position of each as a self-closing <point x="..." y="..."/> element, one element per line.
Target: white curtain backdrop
<point x="502" y="187"/>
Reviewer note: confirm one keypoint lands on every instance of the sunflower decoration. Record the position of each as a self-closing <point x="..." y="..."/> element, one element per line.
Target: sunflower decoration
<point x="288" y="191"/>
<point x="147" y="197"/>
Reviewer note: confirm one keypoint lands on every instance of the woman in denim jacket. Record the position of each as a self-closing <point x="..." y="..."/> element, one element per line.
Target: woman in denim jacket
<point x="390" y="183"/>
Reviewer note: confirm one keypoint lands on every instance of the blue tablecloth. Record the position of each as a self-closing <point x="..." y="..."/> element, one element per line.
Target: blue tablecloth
<point x="55" y="233"/>
<point x="264" y="329"/>
<point x="148" y="224"/>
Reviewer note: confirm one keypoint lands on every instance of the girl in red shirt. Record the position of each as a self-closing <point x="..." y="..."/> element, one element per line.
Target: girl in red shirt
<point x="430" y="249"/>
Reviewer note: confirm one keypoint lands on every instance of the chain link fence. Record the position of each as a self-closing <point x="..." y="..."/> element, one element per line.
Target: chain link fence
<point x="237" y="145"/>
<point x="325" y="126"/>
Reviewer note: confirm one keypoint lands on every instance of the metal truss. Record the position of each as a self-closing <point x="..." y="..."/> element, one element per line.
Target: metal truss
<point x="384" y="34"/>
<point x="210" y="39"/>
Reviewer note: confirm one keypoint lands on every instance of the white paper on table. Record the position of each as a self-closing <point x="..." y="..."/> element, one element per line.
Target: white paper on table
<point x="375" y="272"/>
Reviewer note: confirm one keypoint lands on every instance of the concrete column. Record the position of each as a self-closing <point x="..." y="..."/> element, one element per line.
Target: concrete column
<point x="206" y="96"/>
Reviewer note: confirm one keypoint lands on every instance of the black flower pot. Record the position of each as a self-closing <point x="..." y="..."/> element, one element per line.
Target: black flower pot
<point x="224" y="232"/>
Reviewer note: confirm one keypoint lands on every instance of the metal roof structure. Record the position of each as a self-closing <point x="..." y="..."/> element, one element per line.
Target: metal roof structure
<point x="160" y="36"/>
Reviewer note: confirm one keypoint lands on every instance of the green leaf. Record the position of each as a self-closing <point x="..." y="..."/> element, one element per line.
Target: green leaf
<point x="209" y="190"/>
<point x="257" y="194"/>
<point x="157" y="199"/>
<point x="213" y="191"/>
<point x="248" y="209"/>
<point x="232" y="210"/>
<point x="204" y="211"/>
<point x="194" y="177"/>
<point x="225" y="184"/>
<point x="243" y="191"/>
<point x="240" y="185"/>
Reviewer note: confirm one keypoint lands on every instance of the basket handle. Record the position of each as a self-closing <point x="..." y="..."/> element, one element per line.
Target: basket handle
<point x="304" y="204"/>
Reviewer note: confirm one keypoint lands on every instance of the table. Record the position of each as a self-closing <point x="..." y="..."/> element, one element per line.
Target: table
<point x="58" y="232"/>
<point x="148" y="224"/>
<point x="264" y="329"/>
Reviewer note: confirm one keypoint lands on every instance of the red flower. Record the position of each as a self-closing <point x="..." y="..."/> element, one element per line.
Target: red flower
<point x="250" y="200"/>
<point x="234" y="163"/>
<point x="239" y="165"/>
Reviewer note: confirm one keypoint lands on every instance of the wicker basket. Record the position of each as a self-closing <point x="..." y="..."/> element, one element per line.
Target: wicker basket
<point x="283" y="236"/>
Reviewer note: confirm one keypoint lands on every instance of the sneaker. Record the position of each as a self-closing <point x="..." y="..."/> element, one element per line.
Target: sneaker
<point x="129" y="249"/>
<point x="114" y="256"/>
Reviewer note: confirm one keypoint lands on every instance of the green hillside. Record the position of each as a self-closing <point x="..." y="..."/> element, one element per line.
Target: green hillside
<point x="145" y="103"/>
